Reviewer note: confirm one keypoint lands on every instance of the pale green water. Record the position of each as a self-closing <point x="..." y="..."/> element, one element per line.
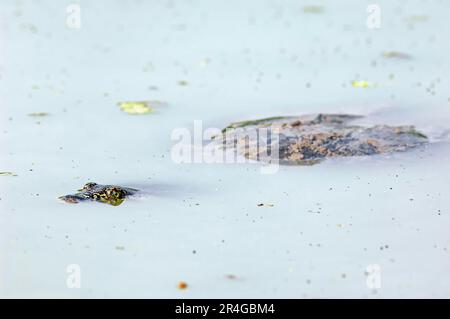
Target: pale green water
<point x="241" y="60"/>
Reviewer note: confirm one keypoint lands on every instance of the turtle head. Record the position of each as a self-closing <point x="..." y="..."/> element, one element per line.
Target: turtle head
<point x="88" y="186"/>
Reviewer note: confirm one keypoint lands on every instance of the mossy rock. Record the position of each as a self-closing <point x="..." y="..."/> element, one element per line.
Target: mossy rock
<point x="309" y="139"/>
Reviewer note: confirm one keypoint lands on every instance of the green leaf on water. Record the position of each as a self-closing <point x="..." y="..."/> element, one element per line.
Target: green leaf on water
<point x="7" y="174"/>
<point x="38" y="114"/>
<point x="139" y="107"/>
<point x="362" y="84"/>
<point x="396" y="55"/>
<point x="313" y="9"/>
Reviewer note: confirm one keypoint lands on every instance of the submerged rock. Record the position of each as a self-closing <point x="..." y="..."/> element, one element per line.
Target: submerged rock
<point x="309" y="139"/>
<point x="109" y="194"/>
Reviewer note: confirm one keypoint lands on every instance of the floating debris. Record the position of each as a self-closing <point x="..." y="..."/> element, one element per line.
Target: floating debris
<point x="29" y="27"/>
<point x="108" y="194"/>
<point x="33" y="28"/>
<point x="362" y="84"/>
<point x="309" y="139"/>
<point x="417" y="18"/>
<point x="7" y="174"/>
<point x="265" y="205"/>
<point x="204" y="62"/>
<point x="139" y="107"/>
<point x="182" y="285"/>
<point x="313" y="9"/>
<point x="38" y="114"/>
<point x="148" y="67"/>
<point x="182" y="83"/>
<point x="396" y="55"/>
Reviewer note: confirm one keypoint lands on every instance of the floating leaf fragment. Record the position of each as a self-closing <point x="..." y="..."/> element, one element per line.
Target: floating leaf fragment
<point x="29" y="27"/>
<point x="312" y="9"/>
<point x="33" y="28"/>
<point x="205" y="62"/>
<point x="7" y="174"/>
<point x="38" y="114"/>
<point x="362" y="84"/>
<point x="139" y="107"/>
<point x="182" y="285"/>
<point x="182" y="83"/>
<point x="417" y="18"/>
<point x="396" y="55"/>
<point x="148" y="67"/>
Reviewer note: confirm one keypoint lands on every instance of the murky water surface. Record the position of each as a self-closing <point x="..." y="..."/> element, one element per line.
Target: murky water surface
<point x="320" y="231"/>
